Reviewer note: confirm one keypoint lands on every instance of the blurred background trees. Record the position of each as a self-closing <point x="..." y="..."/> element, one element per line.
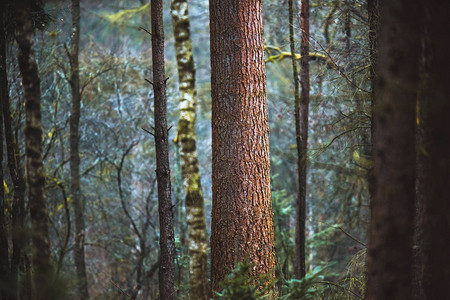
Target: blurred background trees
<point x="117" y="182"/>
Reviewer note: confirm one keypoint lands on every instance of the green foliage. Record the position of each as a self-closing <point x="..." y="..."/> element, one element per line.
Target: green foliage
<point x="241" y="285"/>
<point x="238" y="284"/>
<point x="307" y="288"/>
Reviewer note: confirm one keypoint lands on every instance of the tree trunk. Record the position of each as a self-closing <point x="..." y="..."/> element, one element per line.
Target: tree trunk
<point x="373" y="7"/>
<point x="4" y="93"/>
<point x="165" y="208"/>
<point x="33" y="152"/>
<point x="242" y="217"/>
<point x="422" y="157"/>
<point x="436" y="205"/>
<point x="189" y="160"/>
<point x="18" y="207"/>
<point x="78" y="207"/>
<point x="301" y="126"/>
<point x="392" y="208"/>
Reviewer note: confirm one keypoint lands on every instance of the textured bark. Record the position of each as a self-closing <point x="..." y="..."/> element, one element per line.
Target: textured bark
<point x="17" y="212"/>
<point x="373" y="7"/>
<point x="165" y="208"/>
<point x="33" y="152"/>
<point x="301" y="126"/>
<point x="78" y="207"/>
<point x="392" y="208"/>
<point x="242" y="217"/>
<point x="436" y="204"/>
<point x="4" y="243"/>
<point x="189" y="159"/>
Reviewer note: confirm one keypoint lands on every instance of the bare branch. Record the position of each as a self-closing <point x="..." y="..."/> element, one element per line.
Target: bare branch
<point x="149" y="81"/>
<point x="149" y="132"/>
<point x="143" y="29"/>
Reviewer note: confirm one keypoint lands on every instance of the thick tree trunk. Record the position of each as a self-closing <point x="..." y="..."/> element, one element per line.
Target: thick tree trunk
<point x="301" y="126"/>
<point x="436" y="204"/>
<point x="78" y="207"/>
<point x="33" y="152"/>
<point x="165" y="208"/>
<point x="189" y="160"/>
<point x="392" y="208"/>
<point x="242" y="217"/>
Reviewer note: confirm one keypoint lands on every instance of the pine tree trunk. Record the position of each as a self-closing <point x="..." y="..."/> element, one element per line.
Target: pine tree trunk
<point x="189" y="159"/>
<point x="392" y="208"/>
<point x="242" y="217"/>
<point x="78" y="207"/>
<point x="165" y="208"/>
<point x="301" y="125"/>
<point x="33" y="152"/>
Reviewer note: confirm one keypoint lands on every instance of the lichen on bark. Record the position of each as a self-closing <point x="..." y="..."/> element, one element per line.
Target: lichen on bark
<point x="189" y="159"/>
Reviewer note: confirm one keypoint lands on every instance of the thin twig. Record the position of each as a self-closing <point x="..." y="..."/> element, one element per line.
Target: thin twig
<point x="341" y="287"/>
<point x="149" y="132"/>
<point x="120" y="289"/>
<point x="350" y="236"/>
<point x="351" y="82"/>
<point x="149" y="81"/>
<point x="142" y="28"/>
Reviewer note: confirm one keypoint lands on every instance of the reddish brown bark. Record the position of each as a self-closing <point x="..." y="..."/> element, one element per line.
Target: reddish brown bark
<point x="165" y="208"/>
<point x="242" y="218"/>
<point x="392" y="208"/>
<point x="301" y="126"/>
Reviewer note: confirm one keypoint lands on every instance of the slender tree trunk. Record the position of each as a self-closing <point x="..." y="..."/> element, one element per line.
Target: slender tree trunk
<point x="422" y="156"/>
<point x="18" y="207"/>
<point x="373" y="7"/>
<point x="242" y="217"/>
<point x="189" y="159"/>
<point x="78" y="207"/>
<point x="301" y="126"/>
<point x="166" y="242"/>
<point x="4" y="243"/>
<point x="33" y="152"/>
<point x="436" y="205"/>
<point x="392" y="208"/>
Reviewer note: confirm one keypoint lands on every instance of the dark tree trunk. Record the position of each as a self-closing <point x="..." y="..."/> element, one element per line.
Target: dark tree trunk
<point x="242" y="217"/>
<point x="165" y="208"/>
<point x="392" y="208"/>
<point x="373" y="14"/>
<point x="78" y="207"/>
<point x="436" y="204"/>
<point x="198" y="274"/>
<point x="33" y="152"/>
<point x="4" y="243"/>
<point x="17" y="212"/>
<point x="301" y="126"/>
<point x="422" y="156"/>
